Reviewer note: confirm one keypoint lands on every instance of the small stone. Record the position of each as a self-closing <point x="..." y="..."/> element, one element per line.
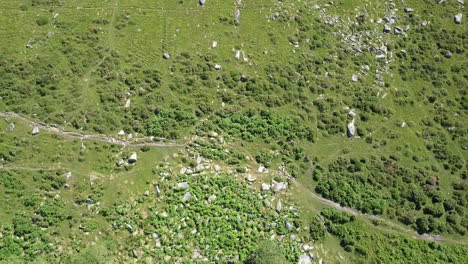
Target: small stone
<point x="409" y="10"/>
<point x="11" y="127"/>
<point x="217" y="67"/>
<point x="35" y="131"/>
<point x="305" y="259"/>
<point x="186" y="196"/>
<point x="351" y="129"/>
<point x="261" y="168"/>
<point x="217" y="167"/>
<point x="279" y="186"/>
<point x="265" y="187"/>
<point x="183" y="185"/>
<point x="288" y="225"/>
<point x="354" y="78"/>
<point x="120" y="163"/>
<point x="448" y="55"/>
<point x="458" y="18"/>
<point x="387" y="28"/>
<point x="250" y="178"/>
<point x="214" y="44"/>
<point x="279" y="206"/>
<point x="166" y="56"/>
<point x="212" y="198"/>
<point x="202" y="2"/>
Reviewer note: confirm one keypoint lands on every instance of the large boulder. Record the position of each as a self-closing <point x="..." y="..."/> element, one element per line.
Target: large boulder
<point x="351" y="129"/>
<point x="133" y="158"/>
<point x="458" y="18"/>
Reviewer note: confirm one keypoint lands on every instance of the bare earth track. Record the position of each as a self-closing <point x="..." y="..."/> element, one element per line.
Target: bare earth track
<point x="137" y="142"/>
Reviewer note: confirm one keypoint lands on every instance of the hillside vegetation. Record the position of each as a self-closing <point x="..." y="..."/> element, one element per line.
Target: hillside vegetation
<point x="226" y="131"/>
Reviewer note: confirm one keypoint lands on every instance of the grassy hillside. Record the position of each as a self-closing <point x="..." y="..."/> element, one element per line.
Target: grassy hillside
<point x="362" y="103"/>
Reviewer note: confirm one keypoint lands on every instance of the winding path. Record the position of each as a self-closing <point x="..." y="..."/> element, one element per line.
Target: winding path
<point x="137" y="142"/>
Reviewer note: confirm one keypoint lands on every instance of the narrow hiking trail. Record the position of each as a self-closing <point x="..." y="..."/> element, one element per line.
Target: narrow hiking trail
<point x="137" y="142"/>
<point x="391" y="226"/>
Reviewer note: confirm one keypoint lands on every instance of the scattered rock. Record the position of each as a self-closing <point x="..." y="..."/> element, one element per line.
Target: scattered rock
<point x="35" y="131"/>
<point x="133" y="158"/>
<point x="68" y="176"/>
<point x="237" y="15"/>
<point x="127" y="103"/>
<point x="183" y="185"/>
<point x="166" y="56"/>
<point x="120" y="163"/>
<point x="186" y="196"/>
<point x="214" y="44"/>
<point x="409" y="10"/>
<point x="217" y="167"/>
<point x="448" y="55"/>
<point x="279" y="186"/>
<point x="305" y="259"/>
<point x="134" y="253"/>
<point x="458" y="18"/>
<point x="387" y="28"/>
<point x="398" y="30"/>
<point x="279" y="206"/>
<point x="261" y="168"/>
<point x="250" y="178"/>
<point x="351" y="129"/>
<point x="50" y="34"/>
<point x="212" y="198"/>
<point x="354" y="78"/>
<point x="121" y="133"/>
<point x="288" y="225"/>
<point x="265" y="187"/>
<point x="380" y="57"/>
<point x="11" y="127"/>
<point x="201" y="2"/>
<point x="217" y="67"/>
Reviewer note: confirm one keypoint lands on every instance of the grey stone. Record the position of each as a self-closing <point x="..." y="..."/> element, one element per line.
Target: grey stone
<point x="288" y="225"/>
<point x="35" y="131"/>
<point x="279" y="186"/>
<point x="11" y="127"/>
<point x="183" y="185"/>
<point x="458" y="18"/>
<point x="201" y="2"/>
<point x="351" y="129"/>
<point x="409" y="10"/>
<point x="186" y="196"/>
<point x="133" y="158"/>
<point x="166" y="56"/>
<point x="304" y="259"/>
